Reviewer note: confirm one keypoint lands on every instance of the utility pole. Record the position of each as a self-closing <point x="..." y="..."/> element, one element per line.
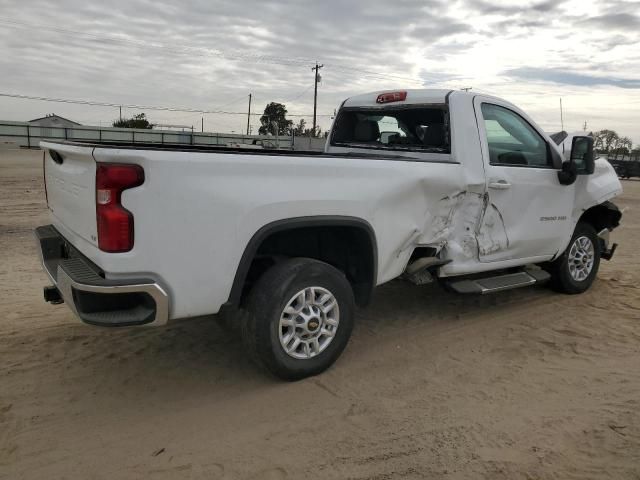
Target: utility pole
<point x="120" y="112"/>
<point x="315" y="94"/>
<point x="584" y="127"/>
<point x="249" y="115"/>
<point x="202" y="130"/>
<point x="561" y="115"/>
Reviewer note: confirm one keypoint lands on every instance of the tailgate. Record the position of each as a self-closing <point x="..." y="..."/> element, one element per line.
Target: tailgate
<point x="70" y="178"/>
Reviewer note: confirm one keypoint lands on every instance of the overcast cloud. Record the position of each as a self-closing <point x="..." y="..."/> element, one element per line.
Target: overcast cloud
<point x="208" y="54"/>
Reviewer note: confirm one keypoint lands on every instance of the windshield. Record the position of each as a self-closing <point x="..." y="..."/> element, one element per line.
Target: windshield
<point x="420" y="128"/>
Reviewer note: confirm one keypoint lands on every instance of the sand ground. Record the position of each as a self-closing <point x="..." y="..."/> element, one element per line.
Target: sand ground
<point x="526" y="384"/>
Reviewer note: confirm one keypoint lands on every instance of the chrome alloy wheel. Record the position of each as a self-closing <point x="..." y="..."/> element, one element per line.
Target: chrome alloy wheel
<point x="309" y="322"/>
<point x="581" y="258"/>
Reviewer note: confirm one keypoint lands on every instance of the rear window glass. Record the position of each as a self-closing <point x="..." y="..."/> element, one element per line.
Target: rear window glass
<point x="420" y="128"/>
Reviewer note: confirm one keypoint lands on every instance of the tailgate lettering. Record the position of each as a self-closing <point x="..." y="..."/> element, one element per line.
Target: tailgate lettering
<point x="69" y="187"/>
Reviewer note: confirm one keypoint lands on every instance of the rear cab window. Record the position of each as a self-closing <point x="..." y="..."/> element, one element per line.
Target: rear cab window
<point x="420" y="128"/>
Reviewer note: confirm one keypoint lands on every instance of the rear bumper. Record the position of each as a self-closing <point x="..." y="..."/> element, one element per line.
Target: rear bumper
<point x="93" y="298"/>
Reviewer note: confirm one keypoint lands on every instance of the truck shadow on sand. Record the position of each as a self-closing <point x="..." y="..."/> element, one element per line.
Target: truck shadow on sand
<point x="199" y="356"/>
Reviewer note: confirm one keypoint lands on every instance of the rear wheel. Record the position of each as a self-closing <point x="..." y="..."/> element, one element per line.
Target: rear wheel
<point x="576" y="269"/>
<point x="300" y="318"/>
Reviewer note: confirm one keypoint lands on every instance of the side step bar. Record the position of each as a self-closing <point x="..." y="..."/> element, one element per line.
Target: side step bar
<point x="498" y="283"/>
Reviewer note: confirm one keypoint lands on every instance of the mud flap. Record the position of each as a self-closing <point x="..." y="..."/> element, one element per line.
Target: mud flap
<point x="606" y="251"/>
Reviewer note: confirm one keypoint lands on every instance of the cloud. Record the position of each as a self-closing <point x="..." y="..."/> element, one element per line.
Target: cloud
<point x="615" y="21"/>
<point x="487" y="7"/>
<point x="610" y="42"/>
<point x="567" y="77"/>
<point x="202" y="52"/>
<point x="207" y="53"/>
<point x="435" y="31"/>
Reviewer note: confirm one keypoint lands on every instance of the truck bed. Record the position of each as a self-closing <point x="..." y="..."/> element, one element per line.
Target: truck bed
<point x="199" y="207"/>
<point x="380" y="154"/>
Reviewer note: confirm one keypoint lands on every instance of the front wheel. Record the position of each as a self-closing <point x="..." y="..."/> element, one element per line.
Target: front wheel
<point x="300" y="318"/>
<point x="576" y="269"/>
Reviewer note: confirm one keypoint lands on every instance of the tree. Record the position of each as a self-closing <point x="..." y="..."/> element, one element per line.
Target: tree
<point x="300" y="128"/>
<point x="274" y="120"/>
<point x="604" y="140"/>
<point x="137" y="121"/>
<point x="625" y="143"/>
<point x="610" y="143"/>
<point x="310" y="133"/>
<point x="622" y="147"/>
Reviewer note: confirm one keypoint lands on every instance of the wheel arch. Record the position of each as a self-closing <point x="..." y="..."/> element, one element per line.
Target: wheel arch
<point x="364" y="283"/>
<point x="601" y="216"/>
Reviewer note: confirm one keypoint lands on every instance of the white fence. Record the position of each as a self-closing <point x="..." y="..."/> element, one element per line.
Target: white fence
<point x="29" y="136"/>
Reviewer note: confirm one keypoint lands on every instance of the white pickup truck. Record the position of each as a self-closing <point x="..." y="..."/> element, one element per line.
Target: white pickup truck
<point x="428" y="185"/>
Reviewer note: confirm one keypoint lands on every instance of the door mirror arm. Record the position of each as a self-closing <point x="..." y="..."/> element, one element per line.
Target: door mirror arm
<point x="568" y="174"/>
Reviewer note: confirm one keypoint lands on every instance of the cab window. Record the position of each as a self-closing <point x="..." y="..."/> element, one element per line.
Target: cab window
<point x="512" y="141"/>
<point x="419" y="128"/>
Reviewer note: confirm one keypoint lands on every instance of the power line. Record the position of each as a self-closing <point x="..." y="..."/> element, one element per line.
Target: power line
<point x="231" y="102"/>
<point x="200" y="51"/>
<point x="299" y="95"/>
<point x="141" y="107"/>
<point x="370" y="73"/>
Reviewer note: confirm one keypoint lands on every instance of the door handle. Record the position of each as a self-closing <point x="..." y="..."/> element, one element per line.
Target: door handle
<point x="499" y="184"/>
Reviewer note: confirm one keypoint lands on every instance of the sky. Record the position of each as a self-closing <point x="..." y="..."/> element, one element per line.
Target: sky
<point x="210" y="54"/>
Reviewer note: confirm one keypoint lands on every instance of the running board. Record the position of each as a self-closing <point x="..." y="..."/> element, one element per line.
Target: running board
<point x="499" y="282"/>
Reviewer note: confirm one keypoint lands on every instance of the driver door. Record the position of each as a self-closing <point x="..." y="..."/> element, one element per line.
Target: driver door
<point x="528" y="211"/>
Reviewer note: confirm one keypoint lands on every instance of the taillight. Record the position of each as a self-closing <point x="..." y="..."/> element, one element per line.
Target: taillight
<point x="115" y="223"/>
<point x="391" y="97"/>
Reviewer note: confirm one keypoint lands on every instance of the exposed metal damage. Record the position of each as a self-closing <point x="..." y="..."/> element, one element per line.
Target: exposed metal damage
<point x="492" y="233"/>
<point x="466" y="223"/>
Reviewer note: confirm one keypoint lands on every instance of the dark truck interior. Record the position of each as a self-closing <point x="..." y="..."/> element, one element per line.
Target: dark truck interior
<point x="422" y="128"/>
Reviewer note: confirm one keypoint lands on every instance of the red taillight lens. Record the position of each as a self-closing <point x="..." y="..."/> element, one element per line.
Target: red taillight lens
<point x="391" y="97"/>
<point x="115" y="223"/>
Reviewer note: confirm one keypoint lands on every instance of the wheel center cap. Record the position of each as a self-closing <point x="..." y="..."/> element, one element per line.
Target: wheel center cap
<point x="313" y="325"/>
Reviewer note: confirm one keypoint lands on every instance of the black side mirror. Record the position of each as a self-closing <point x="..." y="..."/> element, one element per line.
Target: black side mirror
<point x="582" y="155"/>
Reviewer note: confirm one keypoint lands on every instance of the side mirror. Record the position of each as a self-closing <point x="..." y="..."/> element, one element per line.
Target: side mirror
<point x="582" y="155"/>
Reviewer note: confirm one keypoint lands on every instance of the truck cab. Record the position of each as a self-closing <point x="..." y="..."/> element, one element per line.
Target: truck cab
<point x="510" y="203"/>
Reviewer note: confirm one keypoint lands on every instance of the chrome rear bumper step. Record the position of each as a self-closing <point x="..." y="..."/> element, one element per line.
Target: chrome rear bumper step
<point x="497" y="283"/>
<point x="93" y="298"/>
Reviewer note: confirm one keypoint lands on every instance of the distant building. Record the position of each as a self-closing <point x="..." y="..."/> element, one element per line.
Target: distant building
<point x="53" y="120"/>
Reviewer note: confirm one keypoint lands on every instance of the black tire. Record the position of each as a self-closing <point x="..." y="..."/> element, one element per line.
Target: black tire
<point x="561" y="278"/>
<point x="266" y="303"/>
